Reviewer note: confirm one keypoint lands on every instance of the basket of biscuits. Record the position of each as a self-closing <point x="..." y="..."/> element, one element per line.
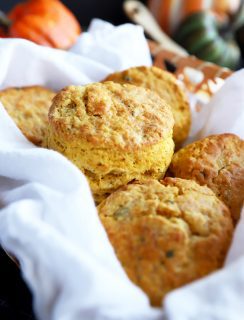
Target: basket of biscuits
<point x="121" y="186"/>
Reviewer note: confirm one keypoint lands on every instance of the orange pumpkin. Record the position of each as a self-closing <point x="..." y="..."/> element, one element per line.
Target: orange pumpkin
<point x="169" y="13"/>
<point x="45" y="22"/>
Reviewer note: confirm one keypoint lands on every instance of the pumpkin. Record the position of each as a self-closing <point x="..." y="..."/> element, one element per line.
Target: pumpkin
<point x="169" y="13"/>
<point x="45" y="22"/>
<point x="201" y="36"/>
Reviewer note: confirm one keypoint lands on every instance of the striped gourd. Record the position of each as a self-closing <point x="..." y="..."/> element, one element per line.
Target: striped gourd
<point x="201" y="35"/>
<point x="169" y="13"/>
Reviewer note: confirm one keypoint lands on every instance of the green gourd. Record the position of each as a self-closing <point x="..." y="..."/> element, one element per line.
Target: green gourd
<point x="201" y="35"/>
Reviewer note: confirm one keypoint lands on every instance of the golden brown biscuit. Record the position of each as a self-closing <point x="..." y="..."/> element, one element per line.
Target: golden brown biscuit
<point x="167" y="87"/>
<point x="167" y="234"/>
<point x="114" y="133"/>
<point x="218" y="162"/>
<point x="28" y="106"/>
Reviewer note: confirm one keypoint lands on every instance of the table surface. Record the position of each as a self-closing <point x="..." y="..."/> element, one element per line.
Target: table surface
<point x="15" y="297"/>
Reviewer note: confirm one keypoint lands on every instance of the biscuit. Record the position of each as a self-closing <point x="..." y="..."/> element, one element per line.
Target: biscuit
<point x="114" y="133"/>
<point x="168" y="88"/>
<point x="28" y="106"/>
<point x="166" y="234"/>
<point x="218" y="162"/>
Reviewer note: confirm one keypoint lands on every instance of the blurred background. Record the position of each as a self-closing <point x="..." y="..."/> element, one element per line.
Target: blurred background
<point x="212" y="30"/>
<point x="85" y="10"/>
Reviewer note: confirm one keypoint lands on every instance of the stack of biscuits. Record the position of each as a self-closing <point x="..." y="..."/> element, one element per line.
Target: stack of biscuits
<point x="169" y="215"/>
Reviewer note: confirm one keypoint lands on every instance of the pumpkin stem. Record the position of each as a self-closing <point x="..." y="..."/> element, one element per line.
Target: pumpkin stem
<point x="5" y="22"/>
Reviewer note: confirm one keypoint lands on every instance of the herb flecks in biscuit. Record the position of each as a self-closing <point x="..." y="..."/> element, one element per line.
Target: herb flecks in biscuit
<point x="166" y="234"/>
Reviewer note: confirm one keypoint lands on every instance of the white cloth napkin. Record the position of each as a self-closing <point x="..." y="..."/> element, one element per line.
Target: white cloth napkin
<point x="116" y="48"/>
<point x="225" y="112"/>
<point x="48" y="220"/>
<point x="88" y="61"/>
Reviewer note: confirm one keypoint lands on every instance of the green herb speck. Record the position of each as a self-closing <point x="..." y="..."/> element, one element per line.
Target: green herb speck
<point x="170" y="254"/>
<point x="127" y="78"/>
<point x="121" y="213"/>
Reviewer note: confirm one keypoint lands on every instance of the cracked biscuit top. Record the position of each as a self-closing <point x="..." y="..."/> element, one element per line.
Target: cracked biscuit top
<point x="170" y="198"/>
<point x="167" y="233"/>
<point x="122" y="116"/>
<point x="218" y="162"/>
<point x="167" y="87"/>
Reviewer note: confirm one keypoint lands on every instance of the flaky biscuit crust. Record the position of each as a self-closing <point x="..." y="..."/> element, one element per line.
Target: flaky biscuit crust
<point x="168" y="88"/>
<point x="121" y="116"/>
<point x="114" y="133"/>
<point x="218" y="162"/>
<point x="29" y="106"/>
<point x="166" y="234"/>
